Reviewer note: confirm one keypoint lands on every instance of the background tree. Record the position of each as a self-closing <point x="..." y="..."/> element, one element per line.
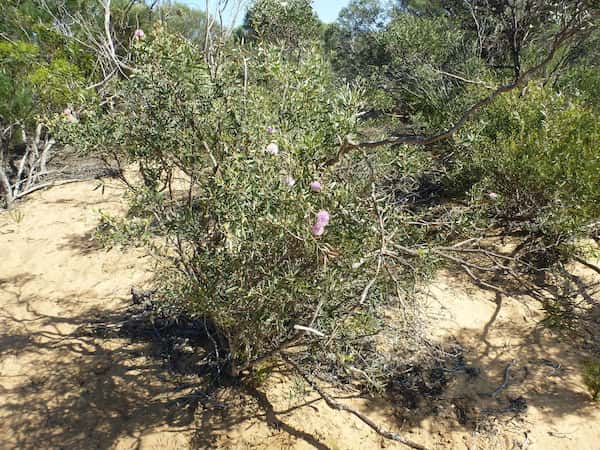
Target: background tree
<point x="181" y="19"/>
<point x="289" y="23"/>
<point x="353" y="40"/>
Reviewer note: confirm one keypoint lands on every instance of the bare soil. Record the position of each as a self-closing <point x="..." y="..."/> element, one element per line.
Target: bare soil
<point x="68" y="384"/>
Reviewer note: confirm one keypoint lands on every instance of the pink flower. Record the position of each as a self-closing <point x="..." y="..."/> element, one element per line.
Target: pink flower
<point x="271" y="130"/>
<point x="318" y="229"/>
<point x="315" y="186"/>
<point x="322" y="221"/>
<point x="323" y="218"/>
<point x="493" y="196"/>
<point x="139" y="34"/>
<point x="272" y="148"/>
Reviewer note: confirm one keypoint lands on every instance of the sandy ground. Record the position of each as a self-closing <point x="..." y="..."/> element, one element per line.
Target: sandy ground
<point x="62" y="387"/>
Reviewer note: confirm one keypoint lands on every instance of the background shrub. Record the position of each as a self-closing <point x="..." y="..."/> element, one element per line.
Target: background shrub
<point x="591" y="377"/>
<point x="539" y="154"/>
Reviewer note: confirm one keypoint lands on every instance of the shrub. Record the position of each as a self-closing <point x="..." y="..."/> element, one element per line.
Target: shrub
<point x="255" y="231"/>
<point x="538" y="155"/>
<point x="15" y="61"/>
<point x="35" y="83"/>
<point x="58" y="84"/>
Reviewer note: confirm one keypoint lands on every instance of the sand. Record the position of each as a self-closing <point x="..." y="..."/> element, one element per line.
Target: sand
<point x="66" y="388"/>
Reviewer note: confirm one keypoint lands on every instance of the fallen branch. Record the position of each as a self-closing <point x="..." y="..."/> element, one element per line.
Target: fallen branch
<point x="341" y="407"/>
<point x="587" y="264"/>
<point x="504" y="384"/>
<point x="49" y="185"/>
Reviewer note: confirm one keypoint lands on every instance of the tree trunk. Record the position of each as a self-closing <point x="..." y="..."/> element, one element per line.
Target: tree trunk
<point x="5" y="187"/>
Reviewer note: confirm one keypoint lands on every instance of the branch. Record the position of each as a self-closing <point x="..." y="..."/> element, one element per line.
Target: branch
<point x="109" y="41"/>
<point x="309" y="330"/>
<point x="341" y="407"/>
<point x="505" y="382"/>
<point x="49" y="185"/>
<point x="110" y="46"/>
<point x="460" y="78"/>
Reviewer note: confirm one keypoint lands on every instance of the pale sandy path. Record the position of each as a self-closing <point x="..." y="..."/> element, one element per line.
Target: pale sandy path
<point x="58" y="387"/>
<point x="61" y="388"/>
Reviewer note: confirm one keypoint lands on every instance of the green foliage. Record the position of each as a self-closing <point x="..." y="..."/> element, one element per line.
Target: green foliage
<point x="583" y="83"/>
<point x="41" y="69"/>
<point x="421" y="51"/>
<point x="57" y="84"/>
<point x="290" y="23"/>
<point x="591" y="377"/>
<point x="15" y="62"/>
<point x="32" y="85"/>
<point x="539" y="153"/>
<point x="18" y="56"/>
<point x="19" y="18"/>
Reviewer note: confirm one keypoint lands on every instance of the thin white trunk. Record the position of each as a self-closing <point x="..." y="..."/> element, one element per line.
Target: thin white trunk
<point x="32" y="165"/>
<point x="23" y="162"/>
<point x="36" y="140"/>
<point x="45" y="153"/>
